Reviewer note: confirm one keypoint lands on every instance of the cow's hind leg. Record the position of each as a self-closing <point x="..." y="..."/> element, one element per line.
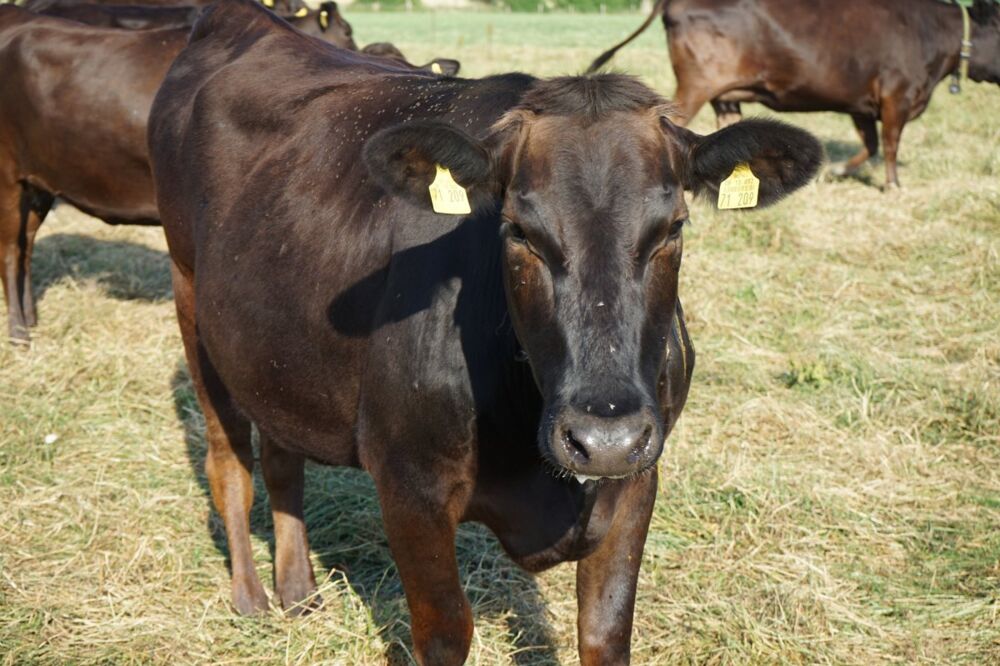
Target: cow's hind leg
<point x="284" y="474"/>
<point x="865" y="125"/>
<point x="229" y="462"/>
<point x="22" y="209"/>
<point x="10" y="260"/>
<point x="894" y="116"/>
<point x="726" y="113"/>
<point x="606" y="578"/>
<point x="35" y="205"/>
<point x="11" y="255"/>
<point x="689" y="98"/>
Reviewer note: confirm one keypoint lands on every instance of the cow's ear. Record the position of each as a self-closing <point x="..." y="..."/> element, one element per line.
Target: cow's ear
<point x="782" y="157"/>
<point x="404" y="161"/>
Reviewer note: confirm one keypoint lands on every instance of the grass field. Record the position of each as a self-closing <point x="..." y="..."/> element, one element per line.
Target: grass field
<point x="831" y="494"/>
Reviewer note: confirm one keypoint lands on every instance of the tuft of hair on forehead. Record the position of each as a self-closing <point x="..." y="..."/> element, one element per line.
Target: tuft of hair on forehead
<point x="592" y="96"/>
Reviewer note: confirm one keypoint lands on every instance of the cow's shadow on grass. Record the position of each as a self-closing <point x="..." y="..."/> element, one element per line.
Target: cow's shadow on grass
<point x="125" y="270"/>
<point x="345" y="531"/>
<point x="838" y="152"/>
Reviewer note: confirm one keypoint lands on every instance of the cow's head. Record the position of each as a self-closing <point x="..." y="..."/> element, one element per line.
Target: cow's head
<point x="325" y="22"/>
<point x="984" y="65"/>
<point x="590" y="174"/>
<point x="439" y="66"/>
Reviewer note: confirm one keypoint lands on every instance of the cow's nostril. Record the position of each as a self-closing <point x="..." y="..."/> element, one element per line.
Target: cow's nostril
<point x="574" y="446"/>
<point x="641" y="444"/>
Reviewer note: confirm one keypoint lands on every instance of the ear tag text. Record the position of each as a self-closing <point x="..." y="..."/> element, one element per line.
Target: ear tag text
<point x="740" y="189"/>
<point x="436" y="68"/>
<point x="447" y="196"/>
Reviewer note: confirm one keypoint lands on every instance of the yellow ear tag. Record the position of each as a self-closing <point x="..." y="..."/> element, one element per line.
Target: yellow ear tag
<point x="436" y="68"/>
<point x="268" y="3"/>
<point x="324" y="19"/>
<point x="302" y="12"/>
<point x="447" y="196"/>
<point x="740" y="189"/>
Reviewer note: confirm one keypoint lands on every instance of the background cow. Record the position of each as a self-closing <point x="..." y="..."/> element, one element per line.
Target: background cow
<point x="442" y="66"/>
<point x="131" y="17"/>
<point x="872" y="59"/>
<point x="73" y="111"/>
<point x="320" y="296"/>
<point x="325" y="22"/>
<point x="281" y="7"/>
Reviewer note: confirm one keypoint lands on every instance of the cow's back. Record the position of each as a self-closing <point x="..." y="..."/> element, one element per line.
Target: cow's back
<point x="74" y="101"/>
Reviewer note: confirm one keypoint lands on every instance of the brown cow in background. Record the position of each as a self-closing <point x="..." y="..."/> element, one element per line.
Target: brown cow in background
<point x="73" y="109"/>
<point x="325" y="22"/>
<point x="280" y="7"/>
<point x="872" y="59"/>
<point x="129" y="17"/>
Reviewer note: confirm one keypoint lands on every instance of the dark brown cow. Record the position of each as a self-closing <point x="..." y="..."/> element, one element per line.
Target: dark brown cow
<point x="131" y="17"/>
<point x="281" y="7"/>
<point x="73" y="109"/>
<point x="473" y="364"/>
<point x="325" y="22"/>
<point x="442" y="66"/>
<point x="873" y="59"/>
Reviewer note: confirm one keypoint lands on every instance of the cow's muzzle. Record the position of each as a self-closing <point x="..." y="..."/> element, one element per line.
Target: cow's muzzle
<point x="592" y="446"/>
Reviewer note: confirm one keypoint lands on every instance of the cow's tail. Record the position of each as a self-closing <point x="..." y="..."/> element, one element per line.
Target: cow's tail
<point x="610" y="53"/>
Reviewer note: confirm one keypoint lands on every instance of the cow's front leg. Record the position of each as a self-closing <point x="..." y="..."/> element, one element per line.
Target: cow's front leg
<point x="606" y="579"/>
<point x="421" y="510"/>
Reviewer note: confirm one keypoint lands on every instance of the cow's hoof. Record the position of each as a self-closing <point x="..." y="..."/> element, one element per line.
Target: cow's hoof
<point x="19" y="336"/>
<point x="892" y="186"/>
<point x="303" y="604"/>
<point x="840" y="170"/>
<point x="298" y="595"/>
<point x="250" y="600"/>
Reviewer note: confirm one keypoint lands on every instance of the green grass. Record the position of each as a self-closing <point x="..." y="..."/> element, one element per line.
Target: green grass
<point x="831" y="494"/>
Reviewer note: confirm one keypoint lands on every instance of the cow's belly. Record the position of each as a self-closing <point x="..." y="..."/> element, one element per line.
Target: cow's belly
<point x="801" y="99"/>
<point x="106" y="175"/>
<point x="805" y="102"/>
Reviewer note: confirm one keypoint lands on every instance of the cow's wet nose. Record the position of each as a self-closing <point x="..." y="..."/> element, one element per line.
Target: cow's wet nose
<point x="604" y="446"/>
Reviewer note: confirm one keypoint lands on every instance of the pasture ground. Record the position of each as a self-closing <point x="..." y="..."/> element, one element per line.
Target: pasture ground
<point x="831" y="495"/>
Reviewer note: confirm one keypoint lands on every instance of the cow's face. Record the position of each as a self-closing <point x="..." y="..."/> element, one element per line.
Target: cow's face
<point x="984" y="65"/>
<point x="592" y="209"/>
<point x="327" y="23"/>
<point x="592" y="217"/>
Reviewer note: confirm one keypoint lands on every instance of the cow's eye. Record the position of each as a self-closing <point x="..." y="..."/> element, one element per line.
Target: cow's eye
<point x="675" y="229"/>
<point x="516" y="233"/>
